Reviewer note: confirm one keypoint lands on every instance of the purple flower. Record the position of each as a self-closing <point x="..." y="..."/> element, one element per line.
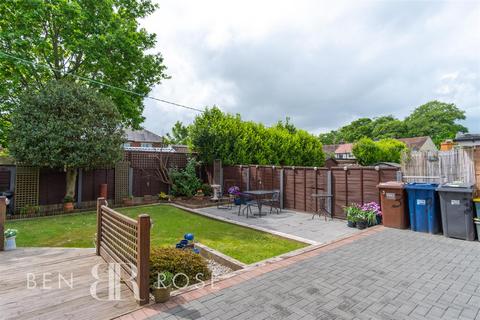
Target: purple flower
<point x="373" y="207"/>
<point x="234" y="190"/>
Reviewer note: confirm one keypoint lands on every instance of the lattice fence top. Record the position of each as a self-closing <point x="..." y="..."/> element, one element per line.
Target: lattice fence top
<point x="121" y="180"/>
<point x="26" y="186"/>
<point x="150" y="160"/>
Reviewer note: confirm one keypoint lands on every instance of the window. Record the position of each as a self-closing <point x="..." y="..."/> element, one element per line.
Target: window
<point x="126" y="145"/>
<point x="146" y="145"/>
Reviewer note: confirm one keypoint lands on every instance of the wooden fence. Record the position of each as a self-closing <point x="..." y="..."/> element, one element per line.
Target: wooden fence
<point x="440" y="166"/>
<point x="297" y="184"/>
<point x="125" y="241"/>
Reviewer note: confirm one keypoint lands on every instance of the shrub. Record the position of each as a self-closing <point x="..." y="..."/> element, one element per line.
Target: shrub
<point x="369" y="152"/>
<point x="178" y="261"/>
<point x="185" y="182"/>
<point x="207" y="189"/>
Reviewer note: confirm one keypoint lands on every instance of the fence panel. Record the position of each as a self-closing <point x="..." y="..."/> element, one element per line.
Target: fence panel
<point x="440" y="166"/>
<point x="126" y="242"/>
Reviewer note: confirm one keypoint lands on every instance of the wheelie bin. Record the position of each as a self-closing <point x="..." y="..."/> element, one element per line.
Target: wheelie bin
<point x="423" y="207"/>
<point x="456" y="204"/>
<point x="394" y="206"/>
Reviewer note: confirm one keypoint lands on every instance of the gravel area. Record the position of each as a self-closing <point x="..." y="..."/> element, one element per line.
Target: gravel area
<point x="217" y="268"/>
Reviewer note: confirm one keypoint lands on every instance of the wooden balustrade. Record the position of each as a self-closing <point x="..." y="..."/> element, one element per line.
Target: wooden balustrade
<point x="126" y="241"/>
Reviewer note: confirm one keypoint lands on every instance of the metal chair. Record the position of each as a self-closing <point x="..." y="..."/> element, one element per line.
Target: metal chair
<point x="248" y="202"/>
<point x="274" y="202"/>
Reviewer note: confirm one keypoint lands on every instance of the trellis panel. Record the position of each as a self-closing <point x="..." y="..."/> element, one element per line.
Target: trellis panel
<point x="121" y="180"/>
<point x="26" y="186"/>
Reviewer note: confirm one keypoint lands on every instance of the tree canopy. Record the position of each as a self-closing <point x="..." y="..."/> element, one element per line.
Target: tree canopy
<point x="67" y="126"/>
<point x="435" y="119"/>
<point x="100" y="40"/>
<point x="369" y="152"/>
<point x="218" y="135"/>
<point x="179" y="134"/>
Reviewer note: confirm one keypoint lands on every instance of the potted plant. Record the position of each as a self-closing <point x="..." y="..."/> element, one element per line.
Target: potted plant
<point x="352" y="212"/>
<point x="362" y="220"/>
<point x="128" y="201"/>
<point x="68" y="204"/>
<point x="234" y="191"/>
<point x="375" y="209"/>
<point x="161" y="286"/>
<point x="10" y="235"/>
<point x="162" y="196"/>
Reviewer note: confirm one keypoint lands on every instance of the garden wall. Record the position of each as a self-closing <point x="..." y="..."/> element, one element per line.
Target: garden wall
<point x="348" y="185"/>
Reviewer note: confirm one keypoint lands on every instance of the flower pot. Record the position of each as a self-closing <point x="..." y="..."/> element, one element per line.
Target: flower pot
<point x="351" y="224"/>
<point x="10" y="243"/>
<point x="68" y="207"/>
<point x="161" y="294"/>
<point x="362" y="225"/>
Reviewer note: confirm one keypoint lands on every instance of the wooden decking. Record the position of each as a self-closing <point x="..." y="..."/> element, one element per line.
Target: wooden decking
<point x="17" y="301"/>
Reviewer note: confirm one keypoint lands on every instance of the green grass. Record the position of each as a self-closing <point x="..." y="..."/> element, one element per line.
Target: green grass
<point x="170" y="223"/>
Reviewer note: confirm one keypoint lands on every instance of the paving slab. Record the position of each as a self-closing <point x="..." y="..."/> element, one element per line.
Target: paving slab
<point x="298" y="224"/>
<point x="374" y="277"/>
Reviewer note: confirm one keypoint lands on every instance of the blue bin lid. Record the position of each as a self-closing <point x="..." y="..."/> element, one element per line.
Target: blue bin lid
<point x="421" y="186"/>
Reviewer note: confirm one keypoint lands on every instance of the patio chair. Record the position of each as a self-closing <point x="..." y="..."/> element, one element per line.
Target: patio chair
<point x="274" y="202"/>
<point x="248" y="202"/>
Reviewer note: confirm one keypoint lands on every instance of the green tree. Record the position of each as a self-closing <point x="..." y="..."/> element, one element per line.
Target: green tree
<point x="332" y="137"/>
<point x="101" y="40"/>
<point x="66" y="126"/>
<point x="218" y="135"/>
<point x="179" y="134"/>
<point x="356" y="130"/>
<point x="369" y="152"/>
<point x="366" y="151"/>
<point x="437" y="120"/>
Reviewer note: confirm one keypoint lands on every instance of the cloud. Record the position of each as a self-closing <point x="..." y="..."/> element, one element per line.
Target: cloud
<point x="321" y="63"/>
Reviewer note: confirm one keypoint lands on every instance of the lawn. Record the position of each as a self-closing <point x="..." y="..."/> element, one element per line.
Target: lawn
<point x="169" y="225"/>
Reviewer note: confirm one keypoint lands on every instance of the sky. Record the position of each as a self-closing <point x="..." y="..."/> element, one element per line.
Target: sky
<point x="321" y="63"/>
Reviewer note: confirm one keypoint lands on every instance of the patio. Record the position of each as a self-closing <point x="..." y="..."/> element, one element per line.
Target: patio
<point x="296" y="225"/>
<point x="53" y="298"/>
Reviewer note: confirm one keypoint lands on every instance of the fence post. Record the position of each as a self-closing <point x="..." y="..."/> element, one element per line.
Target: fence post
<point x="281" y="188"/>
<point x="100" y="203"/>
<point x="3" y="218"/>
<point x="330" y="192"/>
<point x="143" y="258"/>
<point x="248" y="178"/>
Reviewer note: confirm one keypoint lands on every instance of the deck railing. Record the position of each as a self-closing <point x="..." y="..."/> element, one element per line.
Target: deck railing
<point x="123" y="240"/>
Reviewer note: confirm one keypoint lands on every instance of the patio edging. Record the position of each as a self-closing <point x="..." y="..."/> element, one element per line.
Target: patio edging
<point x="194" y="292"/>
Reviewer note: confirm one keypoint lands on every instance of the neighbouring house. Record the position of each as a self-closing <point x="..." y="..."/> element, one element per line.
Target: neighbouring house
<point x="344" y="151"/>
<point x="419" y="143"/>
<point x="142" y="139"/>
<point x="467" y="140"/>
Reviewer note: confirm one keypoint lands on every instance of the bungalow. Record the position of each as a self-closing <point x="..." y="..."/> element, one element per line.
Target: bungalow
<point x="419" y="143"/>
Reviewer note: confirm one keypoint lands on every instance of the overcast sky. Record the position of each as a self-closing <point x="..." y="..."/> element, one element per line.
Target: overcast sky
<point x="322" y="63"/>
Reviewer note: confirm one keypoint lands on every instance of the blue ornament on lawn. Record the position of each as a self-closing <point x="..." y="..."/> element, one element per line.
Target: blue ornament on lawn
<point x="189" y="236"/>
<point x="183" y="242"/>
<point x="196" y="250"/>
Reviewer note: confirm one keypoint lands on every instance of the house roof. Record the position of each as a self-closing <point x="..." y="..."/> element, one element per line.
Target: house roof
<point x="414" y="143"/>
<point x="329" y="148"/>
<point x="344" y="148"/>
<point x="468" y="137"/>
<point x="142" y="135"/>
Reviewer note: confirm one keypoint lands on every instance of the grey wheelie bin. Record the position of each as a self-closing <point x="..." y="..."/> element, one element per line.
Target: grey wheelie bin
<point x="456" y="203"/>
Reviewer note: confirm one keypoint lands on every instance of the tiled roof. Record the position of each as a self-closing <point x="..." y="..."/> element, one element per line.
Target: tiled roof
<point x="329" y="148"/>
<point x="344" y="148"/>
<point x="142" y="136"/>
<point x="414" y="143"/>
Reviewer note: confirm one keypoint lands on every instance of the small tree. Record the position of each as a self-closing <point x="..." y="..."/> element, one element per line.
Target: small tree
<point x="67" y="126"/>
<point x="185" y="182"/>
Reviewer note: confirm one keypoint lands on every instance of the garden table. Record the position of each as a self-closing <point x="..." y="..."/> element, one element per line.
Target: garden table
<point x="323" y="200"/>
<point x="259" y="195"/>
